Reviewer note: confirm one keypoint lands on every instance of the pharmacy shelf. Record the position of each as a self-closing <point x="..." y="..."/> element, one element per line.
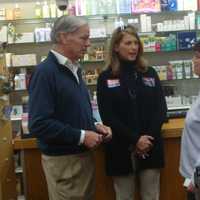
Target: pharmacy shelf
<point x="93" y="17"/>
<point x="18" y="67"/>
<point x="183" y="107"/>
<point x="28" y="21"/>
<point x="92" y="61"/>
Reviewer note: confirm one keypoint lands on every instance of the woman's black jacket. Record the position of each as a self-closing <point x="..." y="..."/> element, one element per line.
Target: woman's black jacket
<point x="132" y="104"/>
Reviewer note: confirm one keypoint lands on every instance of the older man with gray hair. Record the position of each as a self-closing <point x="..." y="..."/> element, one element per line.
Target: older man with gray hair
<point x="60" y="114"/>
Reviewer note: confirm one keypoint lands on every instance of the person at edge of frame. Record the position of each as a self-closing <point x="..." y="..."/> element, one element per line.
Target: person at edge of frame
<point x="190" y="146"/>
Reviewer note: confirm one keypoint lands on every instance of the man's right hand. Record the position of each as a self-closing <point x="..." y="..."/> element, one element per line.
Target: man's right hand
<point x="92" y="139"/>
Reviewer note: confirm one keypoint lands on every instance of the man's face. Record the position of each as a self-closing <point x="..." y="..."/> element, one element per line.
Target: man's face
<point x="76" y="43"/>
<point x="196" y="62"/>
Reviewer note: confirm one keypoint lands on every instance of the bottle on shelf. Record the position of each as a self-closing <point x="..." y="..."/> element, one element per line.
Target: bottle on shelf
<point x="38" y="10"/>
<point x="95" y="109"/>
<point x="17" y="12"/>
<point x="9" y="14"/>
<point x="45" y="10"/>
<point x="17" y="82"/>
<point x="53" y="10"/>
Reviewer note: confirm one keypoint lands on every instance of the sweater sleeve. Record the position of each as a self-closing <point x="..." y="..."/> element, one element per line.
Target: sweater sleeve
<point x="42" y="105"/>
<point x="160" y="109"/>
<point x="108" y="116"/>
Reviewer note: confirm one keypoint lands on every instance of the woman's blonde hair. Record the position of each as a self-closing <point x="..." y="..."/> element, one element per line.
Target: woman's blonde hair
<point x="113" y="58"/>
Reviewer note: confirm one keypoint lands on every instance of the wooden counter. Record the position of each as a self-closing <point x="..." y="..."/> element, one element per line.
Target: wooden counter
<point x="171" y="181"/>
<point x="7" y="173"/>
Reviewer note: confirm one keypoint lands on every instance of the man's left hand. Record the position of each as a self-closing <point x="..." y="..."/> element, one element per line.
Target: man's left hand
<point x="105" y="131"/>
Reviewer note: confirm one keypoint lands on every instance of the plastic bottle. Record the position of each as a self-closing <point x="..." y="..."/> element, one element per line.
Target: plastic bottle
<point x="17" y="12"/>
<point x="45" y="10"/>
<point x="53" y="10"/>
<point x="38" y="10"/>
<point x="17" y="82"/>
<point x="95" y="109"/>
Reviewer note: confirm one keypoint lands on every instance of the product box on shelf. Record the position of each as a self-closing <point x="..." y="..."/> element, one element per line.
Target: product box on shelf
<point x="170" y="72"/>
<point x="24" y="60"/>
<point x="169" y="43"/>
<point x="123" y="6"/>
<point x="186" y="40"/>
<point x="177" y="67"/>
<point x="187" y="68"/>
<point x="190" y="5"/>
<point x="198" y="4"/>
<point x="3" y="34"/>
<point x="26" y="38"/>
<point x="2" y="13"/>
<point x="16" y="113"/>
<point x="8" y="60"/>
<point x="168" y="5"/>
<point x="139" y="6"/>
<point x="40" y="35"/>
<point x="162" y="72"/>
<point x="9" y="14"/>
<point x="106" y="7"/>
<point x="98" y="32"/>
<point x="24" y="126"/>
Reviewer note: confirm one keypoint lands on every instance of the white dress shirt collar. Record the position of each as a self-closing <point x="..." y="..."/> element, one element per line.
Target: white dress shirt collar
<point x="73" y="67"/>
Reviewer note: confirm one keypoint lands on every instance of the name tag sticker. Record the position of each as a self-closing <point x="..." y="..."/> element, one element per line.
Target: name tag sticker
<point x="111" y="83"/>
<point x="149" y="81"/>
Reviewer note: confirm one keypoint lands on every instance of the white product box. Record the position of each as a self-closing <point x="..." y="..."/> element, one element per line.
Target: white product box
<point x="3" y="34"/>
<point x="8" y="57"/>
<point x="40" y="34"/>
<point x="16" y="112"/>
<point x="159" y="27"/>
<point x="165" y="25"/>
<point x="180" y="4"/>
<point x="173" y="101"/>
<point x="187" y="22"/>
<point x="53" y="10"/>
<point x="148" y="23"/>
<point x="2" y="13"/>
<point x="48" y="34"/>
<point x="26" y="38"/>
<point x="143" y="23"/>
<point x="133" y="21"/>
<point x="24" y="60"/>
<point x="97" y="32"/>
<point x="190" y="5"/>
<point x="192" y="20"/>
<point x="59" y="13"/>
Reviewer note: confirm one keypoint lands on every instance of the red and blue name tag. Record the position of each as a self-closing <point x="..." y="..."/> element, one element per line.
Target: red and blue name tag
<point x="111" y="83"/>
<point x="148" y="81"/>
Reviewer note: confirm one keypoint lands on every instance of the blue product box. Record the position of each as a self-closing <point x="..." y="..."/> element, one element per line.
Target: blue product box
<point x="123" y="6"/>
<point x="169" y="5"/>
<point x="186" y="40"/>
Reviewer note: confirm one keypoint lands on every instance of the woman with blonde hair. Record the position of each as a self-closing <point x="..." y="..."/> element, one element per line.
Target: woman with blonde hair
<point x="132" y="103"/>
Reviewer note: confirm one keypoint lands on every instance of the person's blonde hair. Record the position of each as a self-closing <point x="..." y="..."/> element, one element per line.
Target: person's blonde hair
<point x="113" y="58"/>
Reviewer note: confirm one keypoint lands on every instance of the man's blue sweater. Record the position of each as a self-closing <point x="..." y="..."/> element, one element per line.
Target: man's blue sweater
<point x="59" y="107"/>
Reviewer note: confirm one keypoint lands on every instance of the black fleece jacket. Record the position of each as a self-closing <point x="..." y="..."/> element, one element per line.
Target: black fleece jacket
<point x="132" y="104"/>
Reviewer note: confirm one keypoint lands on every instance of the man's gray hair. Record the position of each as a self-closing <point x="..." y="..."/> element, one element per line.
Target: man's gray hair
<point x="66" y="24"/>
